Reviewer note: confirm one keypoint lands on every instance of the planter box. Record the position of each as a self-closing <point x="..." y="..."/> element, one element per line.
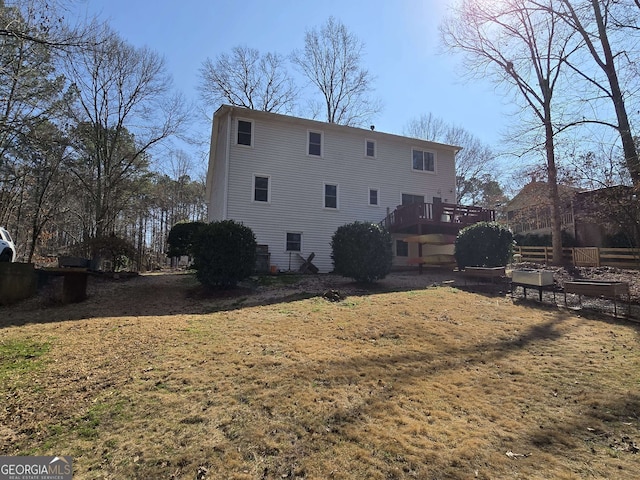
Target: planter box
<point x="597" y="288"/>
<point x="537" y="278"/>
<point x="484" y="272"/>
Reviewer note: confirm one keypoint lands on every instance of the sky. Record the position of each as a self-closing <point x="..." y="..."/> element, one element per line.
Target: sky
<point x="413" y="76"/>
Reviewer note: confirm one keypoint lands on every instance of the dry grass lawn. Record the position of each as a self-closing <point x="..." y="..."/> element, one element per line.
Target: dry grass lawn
<point x="150" y="379"/>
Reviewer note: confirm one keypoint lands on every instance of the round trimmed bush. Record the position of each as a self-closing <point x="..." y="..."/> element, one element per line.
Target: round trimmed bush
<point x="224" y="253"/>
<point x="181" y="237"/>
<point x="484" y="244"/>
<point x="361" y="251"/>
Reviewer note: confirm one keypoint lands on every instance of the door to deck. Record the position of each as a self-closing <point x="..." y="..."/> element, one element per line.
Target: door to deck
<point x="408" y="199"/>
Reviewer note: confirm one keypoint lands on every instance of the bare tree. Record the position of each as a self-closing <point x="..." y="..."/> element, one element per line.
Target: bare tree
<point x="525" y="47"/>
<point x="44" y="22"/>
<point x="590" y="19"/>
<point x="124" y="107"/>
<point x="30" y="87"/>
<point x="331" y="60"/>
<point x="248" y="79"/>
<point x="474" y="160"/>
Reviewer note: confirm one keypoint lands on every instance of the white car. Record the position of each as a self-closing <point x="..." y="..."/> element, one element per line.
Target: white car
<point x="7" y="248"/>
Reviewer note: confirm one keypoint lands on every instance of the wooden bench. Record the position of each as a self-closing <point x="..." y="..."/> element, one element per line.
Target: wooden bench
<point x="599" y="289"/>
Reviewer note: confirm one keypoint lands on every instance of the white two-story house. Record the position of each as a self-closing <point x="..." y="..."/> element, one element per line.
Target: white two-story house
<point x="294" y="181"/>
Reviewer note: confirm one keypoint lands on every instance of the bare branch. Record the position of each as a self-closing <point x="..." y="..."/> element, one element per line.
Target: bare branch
<point x="331" y="61"/>
<point x="247" y="79"/>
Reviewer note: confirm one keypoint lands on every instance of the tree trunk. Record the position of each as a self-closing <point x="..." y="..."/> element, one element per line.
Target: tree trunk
<point x="552" y="180"/>
<point x="628" y="145"/>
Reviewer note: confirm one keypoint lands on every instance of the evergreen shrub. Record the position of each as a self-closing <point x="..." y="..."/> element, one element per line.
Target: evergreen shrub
<point x="224" y="253"/>
<point x="484" y="244"/>
<point x="180" y="239"/>
<point x="361" y="251"/>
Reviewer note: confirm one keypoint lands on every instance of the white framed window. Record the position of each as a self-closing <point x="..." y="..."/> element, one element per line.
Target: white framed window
<point x="261" y="188"/>
<point x="294" y="242"/>
<point x="370" y="149"/>
<point x="244" y="133"/>
<point x="423" y="160"/>
<point x="314" y="143"/>
<point x="374" y="197"/>
<point x="330" y="196"/>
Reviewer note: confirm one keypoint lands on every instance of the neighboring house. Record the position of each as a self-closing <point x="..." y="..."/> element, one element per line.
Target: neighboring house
<point x="294" y="181"/>
<point x="529" y="212"/>
<point x="592" y="218"/>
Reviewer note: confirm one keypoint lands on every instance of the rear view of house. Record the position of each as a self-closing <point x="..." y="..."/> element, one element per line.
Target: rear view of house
<point x="294" y="181"/>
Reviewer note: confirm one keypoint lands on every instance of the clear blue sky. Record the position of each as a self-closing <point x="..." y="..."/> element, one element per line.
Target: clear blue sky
<point x="401" y="39"/>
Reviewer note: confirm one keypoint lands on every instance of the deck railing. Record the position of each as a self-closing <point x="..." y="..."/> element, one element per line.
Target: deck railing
<point x="422" y="213"/>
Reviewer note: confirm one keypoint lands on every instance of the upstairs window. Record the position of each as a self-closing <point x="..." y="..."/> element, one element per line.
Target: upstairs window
<point x="244" y="132"/>
<point x="424" y="160"/>
<point x="330" y="196"/>
<point x="294" y="242"/>
<point x="370" y="148"/>
<point x="260" y="189"/>
<point x="315" y="144"/>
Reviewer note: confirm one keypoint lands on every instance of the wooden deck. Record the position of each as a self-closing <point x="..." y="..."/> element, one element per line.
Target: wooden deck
<point x="446" y="218"/>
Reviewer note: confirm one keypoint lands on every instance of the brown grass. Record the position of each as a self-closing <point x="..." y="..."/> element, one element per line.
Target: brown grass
<point x="150" y="379"/>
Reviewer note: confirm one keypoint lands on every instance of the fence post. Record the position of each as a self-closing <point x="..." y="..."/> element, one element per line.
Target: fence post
<point x="598" y="257"/>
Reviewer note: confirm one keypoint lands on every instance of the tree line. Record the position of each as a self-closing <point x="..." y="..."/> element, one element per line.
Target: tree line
<point x="81" y="111"/>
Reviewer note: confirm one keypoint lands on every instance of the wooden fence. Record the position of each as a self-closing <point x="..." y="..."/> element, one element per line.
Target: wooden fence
<point x="584" y="257"/>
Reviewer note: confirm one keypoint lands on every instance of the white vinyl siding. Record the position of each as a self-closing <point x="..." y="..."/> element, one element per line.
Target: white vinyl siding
<point x="216" y="184"/>
<point x="296" y="181"/>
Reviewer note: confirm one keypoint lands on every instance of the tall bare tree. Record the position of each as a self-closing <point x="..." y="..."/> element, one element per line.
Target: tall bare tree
<point x="332" y="61"/>
<point x="248" y="79"/>
<point x="30" y="88"/>
<point x="590" y="19"/>
<point x="124" y="107"/>
<point x="474" y="160"/>
<point x="45" y="22"/>
<point x="524" y="47"/>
